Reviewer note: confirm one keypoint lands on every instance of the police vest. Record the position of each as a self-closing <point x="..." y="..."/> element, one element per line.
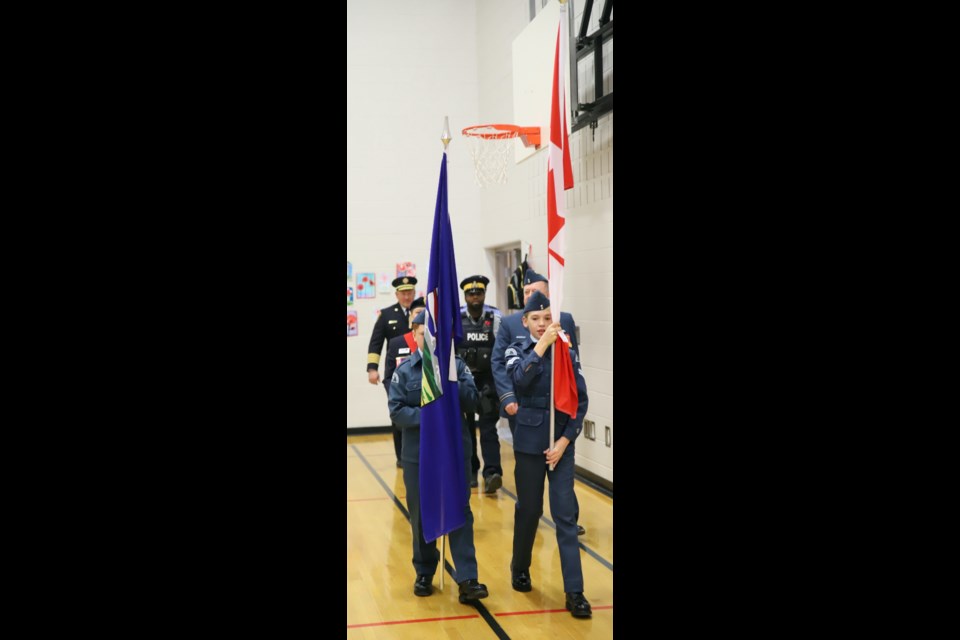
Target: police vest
<point x="477" y="345"/>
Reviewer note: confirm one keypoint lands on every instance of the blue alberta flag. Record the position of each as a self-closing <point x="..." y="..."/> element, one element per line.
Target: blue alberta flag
<point x="443" y="478"/>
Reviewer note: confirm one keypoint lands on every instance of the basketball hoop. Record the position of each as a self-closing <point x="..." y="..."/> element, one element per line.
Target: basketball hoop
<point x="490" y="146"/>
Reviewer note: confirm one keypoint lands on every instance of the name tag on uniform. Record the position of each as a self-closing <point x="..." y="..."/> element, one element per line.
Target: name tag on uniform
<point x="391" y="322"/>
<point x="404" y="350"/>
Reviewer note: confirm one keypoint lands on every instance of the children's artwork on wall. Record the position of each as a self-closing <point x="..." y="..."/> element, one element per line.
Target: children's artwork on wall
<point x="384" y="284"/>
<point x="366" y="285"/>
<point x="406" y="269"/>
<point x="349" y="270"/>
<point x="349" y="295"/>
<point x="351" y="323"/>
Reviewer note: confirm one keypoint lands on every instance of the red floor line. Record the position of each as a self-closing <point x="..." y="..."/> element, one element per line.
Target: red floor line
<point x="523" y="613"/>
<point x="382" y="624"/>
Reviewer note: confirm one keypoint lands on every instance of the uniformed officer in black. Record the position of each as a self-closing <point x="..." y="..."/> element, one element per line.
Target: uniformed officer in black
<point x="529" y="363"/>
<point x="480" y="325"/>
<point x="405" y="387"/>
<point x="398" y="350"/>
<point x="393" y="321"/>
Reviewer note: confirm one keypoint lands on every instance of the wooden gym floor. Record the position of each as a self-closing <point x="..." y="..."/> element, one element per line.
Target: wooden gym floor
<point x="380" y="574"/>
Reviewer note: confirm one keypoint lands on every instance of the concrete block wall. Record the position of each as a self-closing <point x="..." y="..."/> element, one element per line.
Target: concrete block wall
<point x="516" y="212"/>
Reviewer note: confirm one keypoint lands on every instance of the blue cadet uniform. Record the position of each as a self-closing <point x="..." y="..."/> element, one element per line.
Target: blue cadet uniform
<point x="476" y="349"/>
<point x="404" y="404"/>
<point x="398" y="350"/>
<point x="530" y="374"/>
<point x="511" y="330"/>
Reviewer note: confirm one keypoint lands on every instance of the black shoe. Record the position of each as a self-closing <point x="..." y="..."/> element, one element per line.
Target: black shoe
<point x="491" y="484"/>
<point x="473" y="482"/>
<point x="521" y="581"/>
<point x="472" y="590"/>
<point x="580" y="530"/>
<point x="578" y="605"/>
<point x="422" y="586"/>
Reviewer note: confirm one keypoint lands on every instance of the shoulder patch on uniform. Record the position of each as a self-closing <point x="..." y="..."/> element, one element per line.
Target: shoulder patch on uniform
<point x="394" y="377"/>
<point x="512" y="360"/>
<point x="510" y="352"/>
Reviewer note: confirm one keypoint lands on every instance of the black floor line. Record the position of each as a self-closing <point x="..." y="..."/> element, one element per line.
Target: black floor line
<point x="482" y="610"/>
<point x="593" y="554"/>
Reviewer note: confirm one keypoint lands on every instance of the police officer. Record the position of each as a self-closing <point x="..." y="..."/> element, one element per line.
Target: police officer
<point x="480" y="325"/>
<point x="404" y="406"/>
<point x="393" y="321"/>
<point x="529" y="363"/>
<point x="398" y="350"/>
<point x="511" y="329"/>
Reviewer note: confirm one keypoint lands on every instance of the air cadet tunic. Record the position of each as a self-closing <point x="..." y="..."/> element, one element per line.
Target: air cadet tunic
<point x="404" y="406"/>
<point x="530" y="375"/>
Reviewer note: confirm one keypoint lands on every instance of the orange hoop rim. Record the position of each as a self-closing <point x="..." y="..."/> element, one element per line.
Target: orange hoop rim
<point x="529" y="135"/>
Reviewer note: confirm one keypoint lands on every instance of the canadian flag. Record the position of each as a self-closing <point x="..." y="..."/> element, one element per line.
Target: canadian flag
<point x="559" y="179"/>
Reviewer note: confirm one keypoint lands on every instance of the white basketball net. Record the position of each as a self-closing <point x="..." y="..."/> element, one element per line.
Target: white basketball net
<point x="490" y="155"/>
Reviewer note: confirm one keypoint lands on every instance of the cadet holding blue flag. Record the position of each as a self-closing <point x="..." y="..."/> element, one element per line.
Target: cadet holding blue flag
<point x="405" y="396"/>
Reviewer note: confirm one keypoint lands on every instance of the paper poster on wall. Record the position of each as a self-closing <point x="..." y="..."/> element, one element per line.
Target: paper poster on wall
<point x="366" y="285"/>
<point x="406" y="269"/>
<point x="349" y="295"/>
<point x="349" y="270"/>
<point x="384" y="286"/>
<point x="351" y="323"/>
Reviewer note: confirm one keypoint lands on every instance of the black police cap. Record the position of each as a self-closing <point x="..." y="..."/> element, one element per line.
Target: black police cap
<point x="475" y="282"/>
<point x="404" y="282"/>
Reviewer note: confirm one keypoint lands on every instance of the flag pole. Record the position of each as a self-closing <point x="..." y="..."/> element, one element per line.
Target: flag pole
<point x="445" y="138"/>
<point x="553" y="353"/>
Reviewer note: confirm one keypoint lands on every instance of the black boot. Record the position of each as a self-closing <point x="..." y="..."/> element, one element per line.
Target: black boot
<point x="521" y="581"/>
<point x="422" y="586"/>
<point x="472" y="590"/>
<point x="578" y="605"/>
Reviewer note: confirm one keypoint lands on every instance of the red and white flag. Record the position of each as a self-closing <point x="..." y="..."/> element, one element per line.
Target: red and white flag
<point x="559" y="179"/>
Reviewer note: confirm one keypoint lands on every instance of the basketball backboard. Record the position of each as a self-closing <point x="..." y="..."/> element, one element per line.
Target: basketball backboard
<point x="533" y="54"/>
